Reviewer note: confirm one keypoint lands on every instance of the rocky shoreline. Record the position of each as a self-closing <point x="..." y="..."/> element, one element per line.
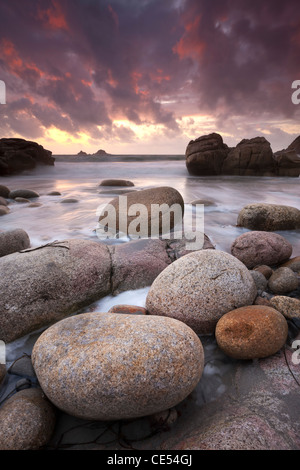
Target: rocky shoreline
<point x="142" y="366"/>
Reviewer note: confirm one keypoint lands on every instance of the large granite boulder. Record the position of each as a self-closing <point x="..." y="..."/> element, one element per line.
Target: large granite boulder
<point x="17" y="155"/>
<point x="205" y="155"/>
<point x="288" y="163"/>
<point x="295" y="145"/>
<point x="269" y="217"/>
<point x="251" y="157"/>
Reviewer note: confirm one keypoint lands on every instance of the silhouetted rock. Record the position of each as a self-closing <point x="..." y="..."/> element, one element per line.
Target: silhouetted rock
<point x="205" y="155"/>
<point x="17" y="155"/>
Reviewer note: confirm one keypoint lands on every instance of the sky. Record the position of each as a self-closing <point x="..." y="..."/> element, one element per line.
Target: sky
<point x="148" y="76"/>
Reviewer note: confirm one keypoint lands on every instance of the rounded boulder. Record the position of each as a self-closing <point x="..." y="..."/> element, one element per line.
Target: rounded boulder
<point x="269" y="217"/>
<point x="251" y="332"/>
<point x="200" y="287"/>
<point x="102" y="366"/>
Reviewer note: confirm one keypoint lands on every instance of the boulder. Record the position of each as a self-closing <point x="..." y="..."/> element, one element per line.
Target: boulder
<point x="251" y="157"/>
<point x="4" y="191"/>
<point x="295" y="145"/>
<point x="200" y="287"/>
<point x="260" y="280"/>
<point x="267" y="271"/>
<point x="4" y="210"/>
<point x="17" y="155"/>
<point x="23" y="193"/>
<point x="116" y="182"/>
<point x="258" y="247"/>
<point x="42" y="285"/>
<point x="27" y="421"/>
<point x="288" y="163"/>
<point x="205" y="155"/>
<point x="288" y="306"/>
<point x="3" y="202"/>
<point x="269" y="217"/>
<point x="12" y="241"/>
<point x="102" y="366"/>
<point x="293" y="264"/>
<point x="145" y="220"/>
<point x="251" y="332"/>
<point x="69" y="200"/>
<point x="283" y="281"/>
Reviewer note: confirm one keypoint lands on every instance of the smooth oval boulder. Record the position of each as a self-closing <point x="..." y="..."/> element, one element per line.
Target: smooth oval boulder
<point x="24" y="193"/>
<point x="116" y="182"/>
<point x="4" y="191"/>
<point x="258" y="247"/>
<point x="200" y="287"/>
<point x="42" y="285"/>
<point x="283" y="281"/>
<point x="269" y="217"/>
<point x="4" y="210"/>
<point x="251" y="332"/>
<point x="144" y="213"/>
<point x="12" y="241"/>
<point x="102" y="366"/>
<point x="27" y="421"/>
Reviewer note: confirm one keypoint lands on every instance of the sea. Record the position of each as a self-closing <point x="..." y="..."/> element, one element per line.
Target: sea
<point x="225" y="196"/>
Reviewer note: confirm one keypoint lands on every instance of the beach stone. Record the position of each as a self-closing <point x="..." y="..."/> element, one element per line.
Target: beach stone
<point x="12" y="241"/>
<point x="260" y="280"/>
<point x="141" y="224"/>
<point x="255" y="248"/>
<point x="116" y="182"/>
<point x="21" y="199"/>
<point x="35" y="204"/>
<point x="3" y="202"/>
<point x="102" y="366"/>
<point x="251" y="332"/>
<point x="24" y="193"/>
<point x="27" y="421"/>
<point x="200" y="287"/>
<point x="283" y="281"/>
<point x="54" y="193"/>
<point x="288" y="306"/>
<point x="42" y="285"/>
<point x="267" y="271"/>
<point x="69" y="200"/>
<point x="4" y="210"/>
<point x="137" y="263"/>
<point x="128" y="309"/>
<point x="269" y="217"/>
<point x="293" y="264"/>
<point x="4" y="191"/>
<point x="205" y="155"/>
<point x="205" y="202"/>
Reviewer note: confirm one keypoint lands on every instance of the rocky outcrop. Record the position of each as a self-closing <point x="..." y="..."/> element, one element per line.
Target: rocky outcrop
<point x="209" y="155"/>
<point x="17" y="155"/>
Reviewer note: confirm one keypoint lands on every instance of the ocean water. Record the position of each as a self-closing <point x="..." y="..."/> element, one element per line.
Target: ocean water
<point x="55" y="221"/>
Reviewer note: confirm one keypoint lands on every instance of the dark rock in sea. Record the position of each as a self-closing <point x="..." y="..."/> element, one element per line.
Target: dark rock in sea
<point x="116" y="182"/>
<point x="3" y="202"/>
<point x="100" y="152"/>
<point x="81" y="153"/>
<point x="23" y="193"/>
<point x="17" y="155"/>
<point x="4" y="210"/>
<point x="69" y="200"/>
<point x="205" y="155"/>
<point x="208" y="155"/>
<point x="4" y="191"/>
<point x="54" y="193"/>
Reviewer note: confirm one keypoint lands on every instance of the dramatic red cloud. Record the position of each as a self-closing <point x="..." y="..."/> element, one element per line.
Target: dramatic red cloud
<point x="53" y="18"/>
<point x="14" y="62"/>
<point x="190" y="45"/>
<point x="114" y="15"/>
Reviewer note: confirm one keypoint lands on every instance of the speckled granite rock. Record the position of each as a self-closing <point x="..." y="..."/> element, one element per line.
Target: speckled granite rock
<point x="251" y="332"/>
<point x="27" y="421"/>
<point x="256" y="248"/>
<point x="102" y="366"/>
<point x="293" y="264"/>
<point x="288" y="306"/>
<point x="283" y="281"/>
<point x="12" y="241"/>
<point x="269" y="217"/>
<point x="260" y="280"/>
<point x="200" y="287"/>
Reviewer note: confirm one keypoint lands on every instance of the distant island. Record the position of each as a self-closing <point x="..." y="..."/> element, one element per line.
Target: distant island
<point x="99" y="153"/>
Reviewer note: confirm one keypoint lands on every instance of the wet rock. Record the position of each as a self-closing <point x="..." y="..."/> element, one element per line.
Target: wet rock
<point x="251" y="332"/>
<point x="35" y="204"/>
<point x="283" y="281"/>
<point x="287" y="162"/>
<point x="205" y="202"/>
<point x="205" y="155"/>
<point x="12" y="241"/>
<point x="49" y="283"/>
<point x="69" y="200"/>
<point x="267" y="271"/>
<point x="269" y="217"/>
<point x="23" y="193"/>
<point x="4" y="191"/>
<point x="137" y="263"/>
<point x="288" y="306"/>
<point x="200" y="287"/>
<point x="3" y="202"/>
<point x="4" y="210"/>
<point x="128" y="309"/>
<point x="27" y="421"/>
<point x="145" y="220"/>
<point x="116" y="182"/>
<point x="22" y="199"/>
<point x="54" y="193"/>
<point x="17" y="155"/>
<point x="102" y="366"/>
<point x="258" y="247"/>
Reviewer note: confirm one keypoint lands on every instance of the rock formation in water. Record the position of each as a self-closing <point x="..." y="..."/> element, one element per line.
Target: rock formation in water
<point x="17" y="155"/>
<point x="209" y="155"/>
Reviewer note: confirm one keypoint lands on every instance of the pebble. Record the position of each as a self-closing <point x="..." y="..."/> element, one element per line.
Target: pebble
<point x="283" y="281"/>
